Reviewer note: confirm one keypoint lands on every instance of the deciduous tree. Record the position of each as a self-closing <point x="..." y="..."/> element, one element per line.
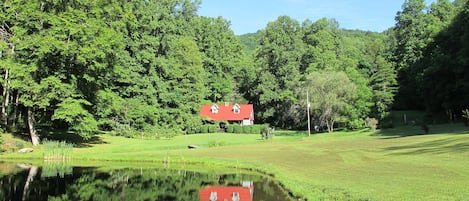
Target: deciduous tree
<point x="331" y="94"/>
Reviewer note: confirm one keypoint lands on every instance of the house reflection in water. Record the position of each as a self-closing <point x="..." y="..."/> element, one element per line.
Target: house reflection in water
<point x="244" y="192"/>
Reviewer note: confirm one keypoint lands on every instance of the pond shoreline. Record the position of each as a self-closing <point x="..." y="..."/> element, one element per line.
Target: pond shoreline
<point x="194" y="166"/>
<point x="387" y="165"/>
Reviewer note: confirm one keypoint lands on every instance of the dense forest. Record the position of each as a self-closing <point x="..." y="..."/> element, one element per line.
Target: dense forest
<point x="81" y="66"/>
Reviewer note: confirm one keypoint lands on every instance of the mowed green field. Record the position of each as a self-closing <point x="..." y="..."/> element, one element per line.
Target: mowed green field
<point x="394" y="164"/>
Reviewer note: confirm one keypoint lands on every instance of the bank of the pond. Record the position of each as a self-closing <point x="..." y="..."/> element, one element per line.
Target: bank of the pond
<point x="398" y="164"/>
<point x="59" y="181"/>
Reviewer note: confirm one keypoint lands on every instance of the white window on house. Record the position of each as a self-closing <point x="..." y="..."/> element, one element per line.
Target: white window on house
<point x="214" y="109"/>
<point x="236" y="109"/>
<point x="246" y="122"/>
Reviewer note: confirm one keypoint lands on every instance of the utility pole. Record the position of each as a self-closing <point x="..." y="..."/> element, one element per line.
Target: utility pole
<point x="308" y="105"/>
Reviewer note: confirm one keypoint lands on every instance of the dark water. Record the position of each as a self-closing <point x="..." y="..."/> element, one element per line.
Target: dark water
<point x="23" y="182"/>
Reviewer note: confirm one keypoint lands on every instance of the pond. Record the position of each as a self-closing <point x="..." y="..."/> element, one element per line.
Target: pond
<point x="63" y="182"/>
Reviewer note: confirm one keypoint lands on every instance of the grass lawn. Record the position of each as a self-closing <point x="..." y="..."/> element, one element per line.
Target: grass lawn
<point x="393" y="164"/>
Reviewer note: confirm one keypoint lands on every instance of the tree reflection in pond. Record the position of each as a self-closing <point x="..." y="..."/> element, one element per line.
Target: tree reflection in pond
<point x="128" y="184"/>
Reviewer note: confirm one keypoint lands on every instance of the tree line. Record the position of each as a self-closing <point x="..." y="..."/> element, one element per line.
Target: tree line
<point x="351" y="75"/>
<point x="81" y="66"/>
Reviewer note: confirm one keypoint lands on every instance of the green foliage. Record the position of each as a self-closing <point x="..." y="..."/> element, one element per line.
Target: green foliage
<point x="427" y="53"/>
<point x="212" y="128"/>
<point x="193" y="130"/>
<point x="120" y="129"/>
<point x="333" y="94"/>
<point x="230" y="128"/>
<point x="247" y="129"/>
<point x="221" y="55"/>
<point x="137" y="66"/>
<point x="237" y="128"/>
<point x="250" y="41"/>
<point x="356" y="124"/>
<point x="79" y="119"/>
<point x="204" y="128"/>
<point x="120" y="68"/>
<point x="279" y="57"/>
<point x="256" y="129"/>
<point x="251" y="129"/>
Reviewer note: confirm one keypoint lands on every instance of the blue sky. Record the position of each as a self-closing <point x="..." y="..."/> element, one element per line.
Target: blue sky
<point x="248" y="16"/>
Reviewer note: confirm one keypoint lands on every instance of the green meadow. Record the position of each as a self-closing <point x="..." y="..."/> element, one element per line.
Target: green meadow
<point x="392" y="164"/>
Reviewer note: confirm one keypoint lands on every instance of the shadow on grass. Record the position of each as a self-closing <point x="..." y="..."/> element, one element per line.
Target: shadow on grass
<point x="440" y="146"/>
<point x="407" y="131"/>
<point x="437" y="146"/>
<point x="73" y="138"/>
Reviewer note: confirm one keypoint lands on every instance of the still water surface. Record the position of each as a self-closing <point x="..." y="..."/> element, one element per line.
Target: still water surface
<point x="62" y="182"/>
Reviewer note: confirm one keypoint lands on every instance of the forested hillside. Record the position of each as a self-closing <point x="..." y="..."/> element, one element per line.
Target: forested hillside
<point x="147" y="66"/>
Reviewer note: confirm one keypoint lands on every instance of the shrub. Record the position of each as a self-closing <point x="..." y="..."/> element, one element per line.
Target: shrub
<point x="357" y="124"/>
<point x="121" y="129"/>
<point x="230" y="129"/>
<point x="212" y="128"/>
<point x="247" y="129"/>
<point x="372" y="123"/>
<point x="266" y="133"/>
<point x="256" y="129"/>
<point x="194" y="129"/>
<point x="204" y="128"/>
<point x="237" y="128"/>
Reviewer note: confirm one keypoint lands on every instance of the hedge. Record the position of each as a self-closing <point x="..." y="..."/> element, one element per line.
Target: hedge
<point x="204" y="129"/>
<point x="212" y="128"/>
<point x="230" y="128"/>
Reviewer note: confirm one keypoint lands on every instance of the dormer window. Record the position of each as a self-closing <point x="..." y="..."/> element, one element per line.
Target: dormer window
<point x="236" y="109"/>
<point x="214" y="109"/>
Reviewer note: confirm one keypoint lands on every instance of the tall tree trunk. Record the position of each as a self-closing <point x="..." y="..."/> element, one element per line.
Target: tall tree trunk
<point x="330" y="126"/>
<point x="15" y="111"/>
<point x="32" y="130"/>
<point x="6" y="97"/>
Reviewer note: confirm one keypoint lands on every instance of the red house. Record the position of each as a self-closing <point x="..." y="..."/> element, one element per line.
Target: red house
<point x="227" y="193"/>
<point x="233" y="113"/>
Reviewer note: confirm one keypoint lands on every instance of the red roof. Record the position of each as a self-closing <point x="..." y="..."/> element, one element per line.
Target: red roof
<point x="226" y="193"/>
<point x="226" y="113"/>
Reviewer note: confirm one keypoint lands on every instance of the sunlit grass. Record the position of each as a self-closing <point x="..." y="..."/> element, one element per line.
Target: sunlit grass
<point x="395" y="164"/>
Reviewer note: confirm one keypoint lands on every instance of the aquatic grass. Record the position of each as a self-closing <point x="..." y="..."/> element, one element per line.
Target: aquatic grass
<point x="57" y="150"/>
<point x="52" y="168"/>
